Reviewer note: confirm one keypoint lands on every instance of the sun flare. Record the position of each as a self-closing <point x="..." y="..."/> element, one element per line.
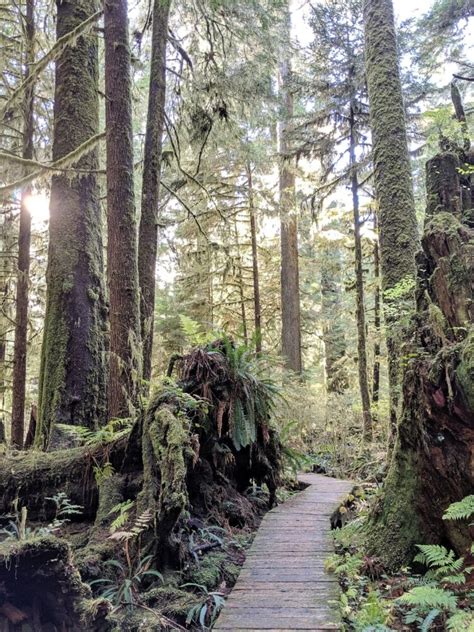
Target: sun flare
<point x="38" y="206"/>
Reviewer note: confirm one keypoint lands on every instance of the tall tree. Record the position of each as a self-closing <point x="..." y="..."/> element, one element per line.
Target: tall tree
<point x="122" y="244"/>
<point x="290" y="291"/>
<point x="359" y="280"/>
<point x="255" y="270"/>
<point x="24" y="239"/>
<point x="393" y="183"/>
<point x="72" y="377"/>
<point x="151" y="178"/>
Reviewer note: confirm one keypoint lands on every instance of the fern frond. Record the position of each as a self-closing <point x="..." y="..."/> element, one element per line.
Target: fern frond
<point x="430" y="597"/>
<point x="461" y="510"/>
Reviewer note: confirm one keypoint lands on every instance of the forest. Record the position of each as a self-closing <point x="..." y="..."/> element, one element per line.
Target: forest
<point x="237" y="315"/>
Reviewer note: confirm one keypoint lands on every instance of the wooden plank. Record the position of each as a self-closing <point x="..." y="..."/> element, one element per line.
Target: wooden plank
<point x="283" y="584"/>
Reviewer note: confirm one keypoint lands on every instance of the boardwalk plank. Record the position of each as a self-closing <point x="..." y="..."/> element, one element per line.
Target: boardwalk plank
<point x="282" y="585"/>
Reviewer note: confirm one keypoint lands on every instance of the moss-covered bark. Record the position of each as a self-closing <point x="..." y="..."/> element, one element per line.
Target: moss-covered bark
<point x="151" y="178"/>
<point x="73" y="372"/>
<point x="393" y="184"/>
<point x="432" y="462"/>
<point x="24" y="239"/>
<point x="290" y="290"/>
<point x="122" y="238"/>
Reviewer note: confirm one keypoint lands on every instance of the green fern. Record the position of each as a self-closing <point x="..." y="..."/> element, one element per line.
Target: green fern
<point x="428" y="597"/>
<point x="461" y="621"/>
<point x="123" y="513"/>
<point x="461" y="510"/>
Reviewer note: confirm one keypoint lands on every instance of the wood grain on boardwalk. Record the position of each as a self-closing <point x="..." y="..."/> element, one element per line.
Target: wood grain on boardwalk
<point x="283" y="585"/>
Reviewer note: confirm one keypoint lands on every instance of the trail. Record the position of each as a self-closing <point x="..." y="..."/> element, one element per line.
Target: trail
<point x="283" y="584"/>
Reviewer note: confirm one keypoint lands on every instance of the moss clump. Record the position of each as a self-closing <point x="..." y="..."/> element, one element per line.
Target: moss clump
<point x="209" y="571"/>
<point x="170" y="600"/>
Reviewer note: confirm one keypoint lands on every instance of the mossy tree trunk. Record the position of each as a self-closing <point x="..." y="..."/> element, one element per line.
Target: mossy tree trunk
<point x="24" y="239"/>
<point x="432" y="460"/>
<point x="359" y="282"/>
<point x="393" y="184"/>
<point x="122" y="245"/>
<point x="148" y="231"/>
<point x="377" y="327"/>
<point x="290" y="290"/>
<point x="72" y="386"/>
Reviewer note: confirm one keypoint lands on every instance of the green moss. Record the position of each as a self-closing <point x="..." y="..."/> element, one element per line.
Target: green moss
<point x="110" y="494"/>
<point x="73" y="372"/>
<point x="170" y="600"/>
<point x="465" y="370"/>
<point x="209" y="571"/>
<point x="395" y="528"/>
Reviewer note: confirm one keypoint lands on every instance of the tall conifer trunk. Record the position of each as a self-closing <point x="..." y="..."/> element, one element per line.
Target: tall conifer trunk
<point x="393" y="183"/>
<point x="122" y="246"/>
<point x="72" y="387"/>
<point x="377" y="327"/>
<point x="24" y="239"/>
<point x="148" y="232"/>
<point x="290" y="296"/>
<point x="360" y="303"/>
<point x="431" y="464"/>
<point x="255" y="270"/>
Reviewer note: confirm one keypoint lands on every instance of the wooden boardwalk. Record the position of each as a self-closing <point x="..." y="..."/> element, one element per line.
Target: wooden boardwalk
<point x="283" y="585"/>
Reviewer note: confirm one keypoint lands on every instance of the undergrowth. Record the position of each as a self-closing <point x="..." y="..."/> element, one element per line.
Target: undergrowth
<point x="436" y="593"/>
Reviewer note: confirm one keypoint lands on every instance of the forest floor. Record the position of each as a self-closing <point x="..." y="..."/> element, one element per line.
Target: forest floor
<point x="283" y="584"/>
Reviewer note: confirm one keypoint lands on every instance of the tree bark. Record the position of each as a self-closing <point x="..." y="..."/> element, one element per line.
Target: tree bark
<point x="24" y="239"/>
<point x="122" y="250"/>
<point x="432" y="460"/>
<point x="331" y="313"/>
<point x="255" y="270"/>
<point x="360" y="302"/>
<point x="393" y="184"/>
<point x="377" y="327"/>
<point x="148" y="232"/>
<point x="73" y="372"/>
<point x="290" y="297"/>
<point x="240" y="281"/>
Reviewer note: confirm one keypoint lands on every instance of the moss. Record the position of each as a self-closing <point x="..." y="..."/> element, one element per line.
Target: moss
<point x="209" y="571"/>
<point x="395" y="525"/>
<point x="166" y="448"/>
<point x="110" y="494"/>
<point x="170" y="600"/>
<point x="465" y="371"/>
<point x="73" y="358"/>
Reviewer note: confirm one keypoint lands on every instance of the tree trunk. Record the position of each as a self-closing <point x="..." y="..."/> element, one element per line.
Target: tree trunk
<point x="331" y="313"/>
<point x="432" y="462"/>
<point x="290" y="298"/>
<point x="24" y="239"/>
<point x="377" y="327"/>
<point x="240" y="281"/>
<point x="73" y="372"/>
<point x="255" y="271"/>
<point x="393" y="184"/>
<point x="360" y="304"/>
<point x="148" y="232"/>
<point x="122" y="250"/>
